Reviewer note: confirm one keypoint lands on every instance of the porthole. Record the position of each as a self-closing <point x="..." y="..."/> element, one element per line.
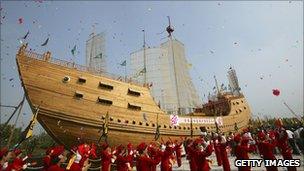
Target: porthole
<point x="103" y="117"/>
<point x="111" y="119"/>
<point x="196" y="128"/>
<point x="126" y="121"/>
<point x="240" y="110"/>
<point x="179" y="127"/>
<point x="242" y="101"/>
<point x="66" y="79"/>
<point x="140" y="123"/>
<point x="184" y="128"/>
<point x="78" y="94"/>
<point x="170" y="127"/>
<point x="236" y="111"/>
<point x="233" y="103"/>
<point x="118" y="120"/>
<point x="174" y="127"/>
<point x="188" y="128"/>
<point x="153" y="125"/>
<point x="82" y="80"/>
<point x="245" y="108"/>
<point x="237" y="102"/>
<point x="165" y="126"/>
<point x="133" y="122"/>
<point x="147" y="124"/>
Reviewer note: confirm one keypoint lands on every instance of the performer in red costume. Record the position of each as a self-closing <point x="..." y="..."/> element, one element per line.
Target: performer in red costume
<point x="202" y="151"/>
<point x="123" y="160"/>
<point x="216" y="146"/>
<point x="47" y="159"/>
<point x="190" y="150"/>
<point x="242" y="150"/>
<point x="82" y="154"/>
<point x="155" y="154"/>
<point x="144" y="162"/>
<point x="58" y="157"/>
<point x="178" y="151"/>
<point x="106" y="157"/>
<point x="266" y="147"/>
<point x="167" y="159"/>
<point x="223" y="154"/>
<point x="18" y="163"/>
<point x="282" y="142"/>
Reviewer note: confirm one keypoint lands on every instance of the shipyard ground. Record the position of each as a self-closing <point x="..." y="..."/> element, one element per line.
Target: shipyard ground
<point x="214" y="167"/>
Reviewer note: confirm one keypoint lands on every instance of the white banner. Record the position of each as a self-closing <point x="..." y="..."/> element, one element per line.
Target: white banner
<point x="175" y="120"/>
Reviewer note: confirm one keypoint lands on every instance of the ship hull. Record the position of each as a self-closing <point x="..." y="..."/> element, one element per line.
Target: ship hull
<point x="70" y="120"/>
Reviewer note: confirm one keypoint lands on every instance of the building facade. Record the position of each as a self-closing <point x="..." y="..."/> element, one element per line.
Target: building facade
<point x="172" y="86"/>
<point x="95" y="52"/>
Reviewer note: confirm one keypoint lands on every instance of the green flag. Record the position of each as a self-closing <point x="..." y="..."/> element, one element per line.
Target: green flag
<point x="73" y="50"/>
<point x="124" y="63"/>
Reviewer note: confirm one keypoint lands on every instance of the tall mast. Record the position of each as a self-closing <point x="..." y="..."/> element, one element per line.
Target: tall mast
<point x="170" y="30"/>
<point x="145" y="62"/>
<point x="216" y="84"/>
<point x="92" y="44"/>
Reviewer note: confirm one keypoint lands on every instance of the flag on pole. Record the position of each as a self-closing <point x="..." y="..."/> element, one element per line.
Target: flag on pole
<point x="73" y="50"/>
<point x="24" y="37"/>
<point x="98" y="56"/>
<point x="124" y="63"/>
<point x="28" y="132"/>
<point x="142" y="71"/>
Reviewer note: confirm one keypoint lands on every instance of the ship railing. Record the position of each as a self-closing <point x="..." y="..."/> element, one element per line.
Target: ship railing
<point x="78" y="67"/>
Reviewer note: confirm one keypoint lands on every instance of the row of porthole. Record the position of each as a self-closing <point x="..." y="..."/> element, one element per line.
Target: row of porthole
<point x="165" y="126"/>
<point x="231" y="125"/>
<point x="237" y="102"/>
<point x="240" y="110"/>
<point x="153" y="125"/>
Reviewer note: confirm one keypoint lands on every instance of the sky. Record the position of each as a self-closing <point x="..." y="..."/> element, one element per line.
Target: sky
<point x="262" y="40"/>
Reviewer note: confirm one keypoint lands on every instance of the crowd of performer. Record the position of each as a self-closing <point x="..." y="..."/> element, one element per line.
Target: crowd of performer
<point x="147" y="157"/>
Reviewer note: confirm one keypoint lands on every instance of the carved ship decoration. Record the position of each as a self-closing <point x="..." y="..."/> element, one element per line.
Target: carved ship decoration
<point x="77" y="104"/>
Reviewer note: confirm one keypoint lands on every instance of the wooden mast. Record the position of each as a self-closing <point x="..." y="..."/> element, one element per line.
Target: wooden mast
<point x="145" y="60"/>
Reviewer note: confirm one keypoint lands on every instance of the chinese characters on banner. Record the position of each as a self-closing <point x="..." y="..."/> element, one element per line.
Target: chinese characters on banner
<point x="175" y="120"/>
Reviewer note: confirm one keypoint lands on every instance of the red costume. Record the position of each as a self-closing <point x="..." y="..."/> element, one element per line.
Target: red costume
<point x="266" y="150"/>
<point x="46" y="162"/>
<point x="282" y="143"/>
<point x="155" y="155"/>
<point x="55" y="168"/>
<point x="167" y="158"/>
<point x="178" y="151"/>
<point x="56" y="152"/>
<point x="122" y="162"/>
<point x="241" y="152"/>
<point x="202" y="163"/>
<point x="223" y="154"/>
<point x="106" y="157"/>
<point x="217" y="151"/>
<point x="16" y="165"/>
<point x="191" y="157"/>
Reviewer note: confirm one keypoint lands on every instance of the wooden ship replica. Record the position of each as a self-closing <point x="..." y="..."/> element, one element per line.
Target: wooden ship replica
<point x="77" y="104"/>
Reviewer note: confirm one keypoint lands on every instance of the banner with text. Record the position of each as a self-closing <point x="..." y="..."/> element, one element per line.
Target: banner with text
<point x="175" y="120"/>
